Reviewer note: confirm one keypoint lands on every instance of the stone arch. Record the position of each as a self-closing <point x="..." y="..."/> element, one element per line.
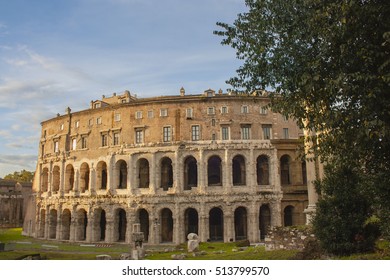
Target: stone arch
<point x="285" y="176"/>
<point x="288" y="215"/>
<point x="81" y="225"/>
<point x="120" y="225"/>
<point x="143" y="220"/>
<point x="191" y="221"/>
<point x="56" y="179"/>
<point x="166" y="225"/>
<point x="262" y="170"/>
<point x="66" y="219"/>
<point x="84" y="177"/>
<point x="190" y="173"/>
<point x="143" y="173"/>
<point x="216" y="224"/>
<point x="101" y="181"/>
<point x="121" y="174"/>
<point x="69" y="178"/>
<point x="166" y="173"/>
<point x="214" y="171"/>
<point x="53" y="224"/>
<point x="45" y="179"/>
<point x="264" y="220"/>
<point x="239" y="170"/>
<point x="241" y="223"/>
<point x="100" y="223"/>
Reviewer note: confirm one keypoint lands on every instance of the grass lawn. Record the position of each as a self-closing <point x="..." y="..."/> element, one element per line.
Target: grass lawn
<point x="57" y="250"/>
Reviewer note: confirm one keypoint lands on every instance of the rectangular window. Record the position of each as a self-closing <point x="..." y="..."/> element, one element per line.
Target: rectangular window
<point x="263" y="110"/>
<point x="56" y="147"/>
<point x="225" y="132"/>
<point x="62" y="127"/>
<point x="99" y="120"/>
<point x="166" y="133"/>
<point x="116" y="138"/>
<point x="195" y="132"/>
<point x="224" y="110"/>
<point x="285" y="133"/>
<point x="246" y="132"/>
<point x="104" y="140"/>
<point x="83" y="142"/>
<point x="213" y="137"/>
<point x="90" y="122"/>
<point x="139" y="136"/>
<point x="164" y="112"/>
<point x="244" y="109"/>
<point x="150" y="114"/>
<point x="285" y="118"/>
<point x="211" y="111"/>
<point x="117" y="117"/>
<point x="189" y="113"/>
<point x="76" y="124"/>
<point x="97" y="105"/>
<point x="74" y="144"/>
<point x="138" y="115"/>
<point x="266" y="132"/>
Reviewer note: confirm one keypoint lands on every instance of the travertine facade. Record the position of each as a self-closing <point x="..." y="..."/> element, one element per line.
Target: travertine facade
<point x="219" y="165"/>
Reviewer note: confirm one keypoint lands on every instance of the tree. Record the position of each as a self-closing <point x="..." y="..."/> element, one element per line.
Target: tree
<point x="329" y="64"/>
<point x="22" y="176"/>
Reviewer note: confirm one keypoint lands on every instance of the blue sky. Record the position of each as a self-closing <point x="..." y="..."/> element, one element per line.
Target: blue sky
<point x="60" y="53"/>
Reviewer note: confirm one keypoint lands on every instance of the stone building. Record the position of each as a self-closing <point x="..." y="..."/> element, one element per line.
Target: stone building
<point x="13" y="202"/>
<point x="217" y="164"/>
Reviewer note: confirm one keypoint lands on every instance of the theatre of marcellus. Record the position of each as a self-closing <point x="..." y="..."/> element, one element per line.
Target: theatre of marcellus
<point x="221" y="165"/>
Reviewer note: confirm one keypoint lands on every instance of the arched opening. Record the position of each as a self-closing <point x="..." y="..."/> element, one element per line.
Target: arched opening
<point x="65" y="224"/>
<point x="216" y="224"/>
<point x="143" y="173"/>
<point x="45" y="180"/>
<point x="166" y="225"/>
<point x="190" y="173"/>
<point x="288" y="216"/>
<point x="121" y="225"/>
<point x="304" y="174"/>
<point x="69" y="178"/>
<point x="285" y="170"/>
<point x="53" y="224"/>
<point x="143" y="219"/>
<point x="239" y="171"/>
<point x="214" y="171"/>
<point x="84" y="177"/>
<point x="42" y="223"/>
<point x="102" y="225"/>
<point x="191" y="221"/>
<point x="56" y="179"/>
<point x="81" y="225"/>
<point x="240" y="224"/>
<point x="101" y="181"/>
<point x="265" y="220"/>
<point x="121" y="170"/>
<point x="166" y="173"/>
<point x="262" y="170"/>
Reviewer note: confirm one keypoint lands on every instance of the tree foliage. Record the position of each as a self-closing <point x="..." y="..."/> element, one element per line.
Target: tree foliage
<point x="22" y="176"/>
<point x="329" y="64"/>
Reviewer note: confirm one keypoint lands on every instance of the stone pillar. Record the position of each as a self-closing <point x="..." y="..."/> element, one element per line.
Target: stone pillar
<point x="90" y="226"/>
<point x="227" y="174"/>
<point x="275" y="171"/>
<point x="177" y="169"/>
<point x="228" y="225"/>
<point x="202" y="172"/>
<point x="251" y="172"/>
<point x="253" y="222"/>
<point x="153" y="185"/>
<point x="62" y="178"/>
<point x="76" y="183"/>
<point x="130" y="217"/>
<point x="177" y="226"/>
<point x="50" y="179"/>
<point x="311" y="191"/>
<point x="276" y="213"/>
<point x="73" y="226"/>
<point x="132" y="178"/>
<point x="47" y="222"/>
<point x="59" y="223"/>
<point x="204" y="233"/>
<point x="154" y="228"/>
<point x="110" y="175"/>
<point x="110" y="228"/>
<point x="92" y="181"/>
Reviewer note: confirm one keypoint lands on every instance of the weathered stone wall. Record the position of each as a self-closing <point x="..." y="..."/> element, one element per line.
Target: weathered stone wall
<point x="289" y="238"/>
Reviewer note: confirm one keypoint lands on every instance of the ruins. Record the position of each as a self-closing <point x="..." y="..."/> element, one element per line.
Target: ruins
<point x="220" y="165"/>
